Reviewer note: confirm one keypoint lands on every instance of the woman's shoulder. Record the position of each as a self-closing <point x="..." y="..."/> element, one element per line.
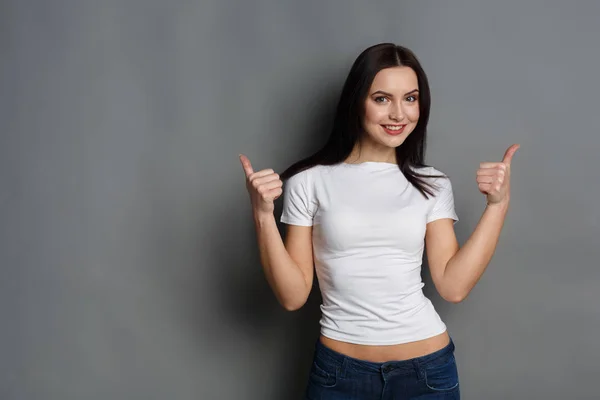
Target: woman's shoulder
<point x="303" y="174"/>
<point x="430" y="171"/>
<point x="306" y="178"/>
<point x="310" y="173"/>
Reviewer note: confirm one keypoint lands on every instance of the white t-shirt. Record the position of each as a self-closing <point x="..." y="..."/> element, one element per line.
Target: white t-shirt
<point x="368" y="240"/>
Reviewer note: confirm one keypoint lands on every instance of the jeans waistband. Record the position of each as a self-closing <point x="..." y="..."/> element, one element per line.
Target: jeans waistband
<point x="328" y="355"/>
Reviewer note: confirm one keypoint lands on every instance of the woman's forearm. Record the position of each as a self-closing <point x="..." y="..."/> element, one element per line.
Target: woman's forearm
<point x="465" y="268"/>
<point x="285" y="277"/>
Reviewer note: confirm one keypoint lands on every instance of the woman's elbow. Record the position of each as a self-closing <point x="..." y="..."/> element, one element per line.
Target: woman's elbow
<point x="455" y="297"/>
<point x="292" y="305"/>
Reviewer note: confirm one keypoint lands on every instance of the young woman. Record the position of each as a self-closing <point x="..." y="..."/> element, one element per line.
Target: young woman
<point x="361" y="211"/>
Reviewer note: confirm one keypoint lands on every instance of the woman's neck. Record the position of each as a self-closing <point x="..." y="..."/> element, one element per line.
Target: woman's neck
<point x="364" y="153"/>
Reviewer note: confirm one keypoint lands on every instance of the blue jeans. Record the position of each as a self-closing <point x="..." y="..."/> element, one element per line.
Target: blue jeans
<point x="336" y="376"/>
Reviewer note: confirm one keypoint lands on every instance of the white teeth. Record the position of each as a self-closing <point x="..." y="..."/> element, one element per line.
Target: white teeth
<point x="393" y="128"/>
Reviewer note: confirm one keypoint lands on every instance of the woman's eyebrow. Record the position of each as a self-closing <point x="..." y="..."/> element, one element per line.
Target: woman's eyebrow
<point x="391" y="95"/>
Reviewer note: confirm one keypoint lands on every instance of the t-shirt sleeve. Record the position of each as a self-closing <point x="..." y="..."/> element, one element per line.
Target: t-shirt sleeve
<point x="443" y="206"/>
<point x="298" y="204"/>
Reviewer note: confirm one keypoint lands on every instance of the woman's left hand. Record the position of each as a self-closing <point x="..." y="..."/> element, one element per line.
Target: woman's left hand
<point x="493" y="178"/>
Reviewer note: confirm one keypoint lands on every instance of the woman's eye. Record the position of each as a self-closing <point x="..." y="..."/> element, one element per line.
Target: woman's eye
<point x="411" y="99"/>
<point x="380" y="99"/>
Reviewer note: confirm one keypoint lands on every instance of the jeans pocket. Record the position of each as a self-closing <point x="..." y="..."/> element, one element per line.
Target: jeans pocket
<point x="442" y="377"/>
<point x="323" y="374"/>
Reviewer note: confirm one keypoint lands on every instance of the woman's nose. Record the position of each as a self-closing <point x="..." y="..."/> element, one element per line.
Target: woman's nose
<point x="396" y="113"/>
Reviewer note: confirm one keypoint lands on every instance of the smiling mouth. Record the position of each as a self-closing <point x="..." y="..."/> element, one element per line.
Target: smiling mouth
<point x="393" y="129"/>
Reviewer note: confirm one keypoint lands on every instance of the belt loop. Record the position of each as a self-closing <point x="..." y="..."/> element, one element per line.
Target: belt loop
<point x="343" y="367"/>
<point x="418" y="369"/>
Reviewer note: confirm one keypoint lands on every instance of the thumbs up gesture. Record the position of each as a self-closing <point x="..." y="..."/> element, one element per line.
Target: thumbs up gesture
<point x="263" y="186"/>
<point x="493" y="178"/>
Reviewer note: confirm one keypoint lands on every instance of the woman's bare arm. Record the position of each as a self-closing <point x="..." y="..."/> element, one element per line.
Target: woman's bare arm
<point x="288" y="267"/>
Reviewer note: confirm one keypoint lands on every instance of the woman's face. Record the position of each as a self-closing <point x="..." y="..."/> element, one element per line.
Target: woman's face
<point x="391" y="107"/>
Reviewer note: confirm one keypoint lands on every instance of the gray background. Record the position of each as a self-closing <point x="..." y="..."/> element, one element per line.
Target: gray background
<point x="128" y="259"/>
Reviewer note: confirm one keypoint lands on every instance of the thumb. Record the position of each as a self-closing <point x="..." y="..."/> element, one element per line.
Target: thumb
<point x="510" y="152"/>
<point x="246" y="165"/>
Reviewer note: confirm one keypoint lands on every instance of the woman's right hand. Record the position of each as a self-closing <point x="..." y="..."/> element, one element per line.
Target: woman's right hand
<point x="263" y="186"/>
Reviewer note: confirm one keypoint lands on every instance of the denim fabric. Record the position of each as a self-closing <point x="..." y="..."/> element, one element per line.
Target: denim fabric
<point x="335" y="376"/>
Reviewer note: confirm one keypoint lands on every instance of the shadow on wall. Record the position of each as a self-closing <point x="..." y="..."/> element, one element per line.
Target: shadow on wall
<point x="250" y="307"/>
<point x="245" y="294"/>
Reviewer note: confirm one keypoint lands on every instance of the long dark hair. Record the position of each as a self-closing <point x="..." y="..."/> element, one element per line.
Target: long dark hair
<point x="348" y="127"/>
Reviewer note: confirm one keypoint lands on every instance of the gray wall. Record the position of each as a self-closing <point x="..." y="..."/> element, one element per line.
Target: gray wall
<point x="128" y="260"/>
